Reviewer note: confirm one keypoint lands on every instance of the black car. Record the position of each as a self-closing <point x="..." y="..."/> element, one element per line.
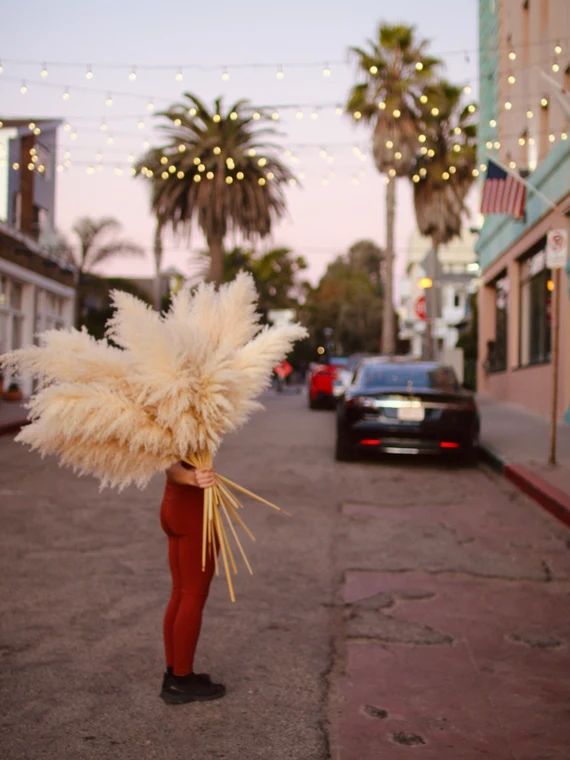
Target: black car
<point x="406" y="407"/>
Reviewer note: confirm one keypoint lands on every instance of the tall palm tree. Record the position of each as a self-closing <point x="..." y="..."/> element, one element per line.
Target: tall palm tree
<point x="217" y="170"/>
<point x="445" y="167"/>
<point x="443" y="174"/>
<point x="96" y="243"/>
<point x="393" y="69"/>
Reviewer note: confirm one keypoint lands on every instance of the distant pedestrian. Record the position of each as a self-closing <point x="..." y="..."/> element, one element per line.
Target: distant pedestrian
<point x="181" y="517"/>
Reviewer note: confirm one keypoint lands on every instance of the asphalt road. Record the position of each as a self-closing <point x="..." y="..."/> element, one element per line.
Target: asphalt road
<point x="85" y="581"/>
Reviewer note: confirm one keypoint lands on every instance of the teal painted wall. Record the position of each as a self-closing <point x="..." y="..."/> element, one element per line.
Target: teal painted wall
<point x="488" y="74"/>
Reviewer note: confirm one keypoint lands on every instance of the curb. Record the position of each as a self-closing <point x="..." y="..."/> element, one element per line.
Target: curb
<point x="549" y="497"/>
<point x="6" y="428"/>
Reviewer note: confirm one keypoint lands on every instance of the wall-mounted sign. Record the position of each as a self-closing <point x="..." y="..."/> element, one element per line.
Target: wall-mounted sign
<point x="556" y="249"/>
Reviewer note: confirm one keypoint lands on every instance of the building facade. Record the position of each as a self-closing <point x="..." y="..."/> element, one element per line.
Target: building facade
<point x="447" y="305"/>
<point x="37" y="288"/>
<point x="525" y="122"/>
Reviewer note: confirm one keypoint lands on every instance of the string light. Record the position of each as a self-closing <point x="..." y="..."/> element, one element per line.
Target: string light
<point x="493" y="123"/>
<point x="512" y="55"/>
<point x="357" y="115"/>
<point x="1" y="68"/>
<point x="314" y="115"/>
<point x="557" y="49"/>
<point x="150" y="106"/>
<point x="419" y="66"/>
<point x="44" y="71"/>
<point x="423" y="99"/>
<point x="133" y="74"/>
<point x="89" y="75"/>
<point x="511" y="79"/>
<point x="475" y="172"/>
<point x="179" y="76"/>
<point x="529" y="114"/>
<point x="434" y="111"/>
<point x="256" y="116"/>
<point x="552" y="138"/>
<point x="225" y="75"/>
<point x="326" y="71"/>
<point x="261" y="181"/>
<point x="563" y="135"/>
<point x="216" y="150"/>
<point x="555" y="67"/>
<point x="24" y="88"/>
<point x="544" y="102"/>
<point x="373" y="70"/>
<point x="280" y="74"/>
<point x="471" y="108"/>
<point x="467" y="89"/>
<point x="209" y="175"/>
<point x="508" y="105"/>
<point x="275" y="116"/>
<point x="396" y="113"/>
<point x="66" y="94"/>
<point x="216" y="118"/>
<point x="233" y="115"/>
<point x="299" y="115"/>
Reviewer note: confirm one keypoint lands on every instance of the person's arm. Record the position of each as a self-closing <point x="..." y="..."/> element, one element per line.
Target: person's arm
<point x="183" y="474"/>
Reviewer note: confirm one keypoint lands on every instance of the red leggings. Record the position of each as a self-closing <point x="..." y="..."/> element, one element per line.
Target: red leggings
<point x="181" y="517"/>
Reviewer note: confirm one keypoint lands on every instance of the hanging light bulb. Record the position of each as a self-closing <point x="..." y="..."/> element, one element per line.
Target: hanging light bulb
<point x="216" y="118"/>
<point x="512" y="55"/>
<point x="326" y="70"/>
<point x="419" y="66"/>
<point x="24" y="87"/>
<point x="435" y="111"/>
<point x="225" y="75"/>
<point x="66" y="94"/>
<point x="556" y="67"/>
<point x="544" y="102"/>
<point x="140" y="124"/>
<point x="280" y="73"/>
<point x="357" y="115"/>
<point x="233" y="115"/>
<point x="471" y="108"/>
<point x="179" y="76"/>
<point x="103" y="126"/>
<point x="467" y="89"/>
<point x="150" y="106"/>
<point x="109" y="100"/>
<point x="132" y="74"/>
<point x="1" y="67"/>
<point x="557" y="49"/>
<point x="423" y="99"/>
<point x="256" y="116"/>
<point x="299" y="115"/>
<point x="529" y="114"/>
<point x="110" y="140"/>
<point x="338" y="110"/>
<point x="44" y="71"/>
<point x="511" y="79"/>
<point x="373" y="69"/>
<point x="493" y="123"/>
<point x="89" y="73"/>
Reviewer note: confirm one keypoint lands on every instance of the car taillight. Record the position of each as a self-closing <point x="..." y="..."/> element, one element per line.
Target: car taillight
<point x="371" y="442"/>
<point x="448" y="445"/>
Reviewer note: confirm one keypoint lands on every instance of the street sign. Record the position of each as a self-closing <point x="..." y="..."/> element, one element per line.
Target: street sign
<point x="556" y="249"/>
<point x="420" y="307"/>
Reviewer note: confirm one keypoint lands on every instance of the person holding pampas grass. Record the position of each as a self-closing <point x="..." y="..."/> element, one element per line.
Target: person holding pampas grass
<point x="181" y="517"/>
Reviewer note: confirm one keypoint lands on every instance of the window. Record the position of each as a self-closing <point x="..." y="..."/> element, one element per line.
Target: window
<point x="408" y="376"/>
<point x="496" y="358"/>
<point x="535" y="310"/>
<point x="11" y="314"/>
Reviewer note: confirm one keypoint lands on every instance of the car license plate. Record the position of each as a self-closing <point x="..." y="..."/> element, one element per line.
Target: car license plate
<point x="411" y="413"/>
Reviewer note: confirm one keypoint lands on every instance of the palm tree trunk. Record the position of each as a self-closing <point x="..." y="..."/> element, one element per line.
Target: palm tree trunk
<point x="388" y="328"/>
<point x="157" y="251"/>
<point x="216" y="248"/>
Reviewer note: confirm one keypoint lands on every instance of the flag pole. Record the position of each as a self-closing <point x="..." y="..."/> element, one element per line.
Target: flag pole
<point x="527" y="184"/>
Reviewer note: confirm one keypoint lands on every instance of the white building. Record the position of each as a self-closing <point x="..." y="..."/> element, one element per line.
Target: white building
<point x="445" y="305"/>
<point x="37" y="288"/>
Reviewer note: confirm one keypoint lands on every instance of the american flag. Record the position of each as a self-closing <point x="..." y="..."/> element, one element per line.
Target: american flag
<point x="503" y="193"/>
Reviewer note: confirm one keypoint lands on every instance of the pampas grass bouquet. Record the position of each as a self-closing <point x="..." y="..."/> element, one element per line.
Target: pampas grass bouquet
<point x="161" y="389"/>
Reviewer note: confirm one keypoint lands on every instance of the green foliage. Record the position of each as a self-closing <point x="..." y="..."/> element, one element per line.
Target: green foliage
<point x="97" y="300"/>
<point x="348" y="301"/>
<point x="276" y="274"/>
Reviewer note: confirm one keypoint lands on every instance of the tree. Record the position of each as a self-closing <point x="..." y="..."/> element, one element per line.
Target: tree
<point x="442" y="175"/>
<point x="394" y="69"/>
<point x="96" y="244"/>
<point x="217" y="170"/>
<point x="442" y="181"/>
<point x="275" y="272"/>
<point x="347" y="301"/>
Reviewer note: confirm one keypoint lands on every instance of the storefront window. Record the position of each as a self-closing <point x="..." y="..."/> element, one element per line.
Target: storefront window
<point x="496" y="359"/>
<point x="536" y="310"/>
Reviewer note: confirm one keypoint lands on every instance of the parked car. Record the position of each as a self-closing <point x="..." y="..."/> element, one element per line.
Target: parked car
<point x="406" y="407"/>
<point x="327" y="382"/>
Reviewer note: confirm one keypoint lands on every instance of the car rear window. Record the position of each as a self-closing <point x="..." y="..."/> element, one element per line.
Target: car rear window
<point x="394" y="376"/>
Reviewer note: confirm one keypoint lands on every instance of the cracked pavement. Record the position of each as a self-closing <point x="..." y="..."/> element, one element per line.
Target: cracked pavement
<point x="404" y="607"/>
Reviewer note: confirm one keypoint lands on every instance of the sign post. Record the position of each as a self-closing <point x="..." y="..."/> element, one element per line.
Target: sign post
<point x="556" y="255"/>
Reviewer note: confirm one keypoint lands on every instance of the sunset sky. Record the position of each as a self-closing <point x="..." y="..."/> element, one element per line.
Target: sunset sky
<point x="340" y="201"/>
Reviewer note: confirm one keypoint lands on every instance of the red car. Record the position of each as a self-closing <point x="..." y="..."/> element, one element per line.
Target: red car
<point x="327" y="382"/>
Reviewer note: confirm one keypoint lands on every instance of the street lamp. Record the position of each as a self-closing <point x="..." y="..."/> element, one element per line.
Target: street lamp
<point x="426" y="283"/>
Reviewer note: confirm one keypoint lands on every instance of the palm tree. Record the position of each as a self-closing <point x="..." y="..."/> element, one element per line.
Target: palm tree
<point x="96" y="244"/>
<point x="394" y="69"/>
<point x="445" y="169"/>
<point x="443" y="174"/>
<point x="215" y="170"/>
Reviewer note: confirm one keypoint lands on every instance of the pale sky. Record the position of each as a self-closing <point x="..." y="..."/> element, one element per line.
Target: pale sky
<point x="340" y="201"/>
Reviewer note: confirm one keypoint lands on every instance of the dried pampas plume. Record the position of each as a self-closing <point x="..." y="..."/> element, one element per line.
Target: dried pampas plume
<point x="169" y="389"/>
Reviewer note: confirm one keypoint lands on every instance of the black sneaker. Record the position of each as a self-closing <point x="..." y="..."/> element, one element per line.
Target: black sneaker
<point x="196" y="687"/>
<point x="168" y="674"/>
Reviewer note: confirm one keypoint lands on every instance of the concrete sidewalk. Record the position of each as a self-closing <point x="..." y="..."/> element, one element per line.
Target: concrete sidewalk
<point x="517" y="443"/>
